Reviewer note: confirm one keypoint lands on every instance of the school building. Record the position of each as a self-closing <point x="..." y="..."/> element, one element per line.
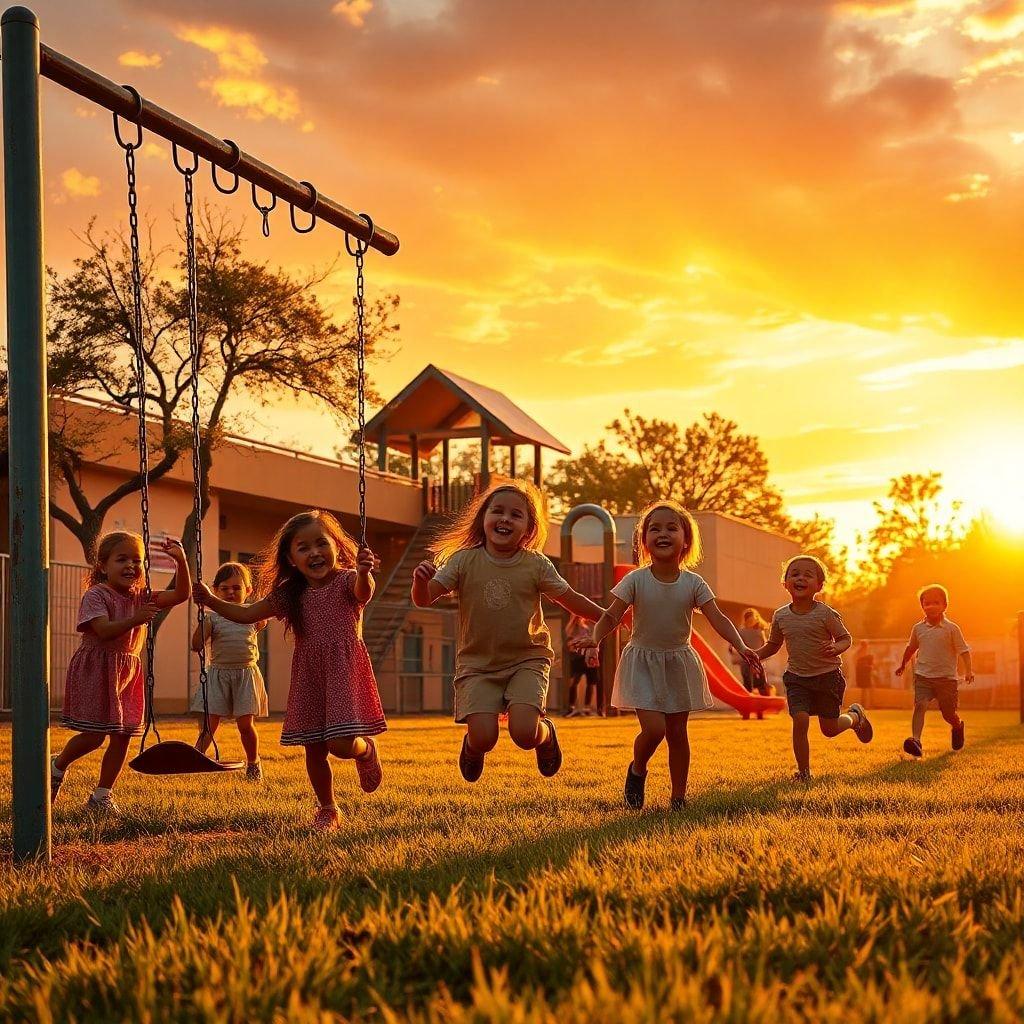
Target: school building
<point x="255" y="487"/>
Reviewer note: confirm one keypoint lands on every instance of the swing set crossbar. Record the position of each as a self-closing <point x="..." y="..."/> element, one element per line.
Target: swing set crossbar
<point x="91" y="85"/>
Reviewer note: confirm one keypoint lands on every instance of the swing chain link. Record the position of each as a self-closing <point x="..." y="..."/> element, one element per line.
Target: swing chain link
<point x="192" y="299"/>
<point x="357" y="249"/>
<point x="135" y="331"/>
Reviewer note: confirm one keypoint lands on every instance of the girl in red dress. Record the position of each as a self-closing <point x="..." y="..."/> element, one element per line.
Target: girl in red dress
<point x="104" y="696"/>
<point x="317" y="580"/>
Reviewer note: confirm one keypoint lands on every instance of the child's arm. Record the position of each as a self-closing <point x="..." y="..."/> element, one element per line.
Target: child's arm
<point x="841" y="638"/>
<point x="245" y="613"/>
<point x="199" y="638"/>
<point x="607" y="623"/>
<point x="109" y="629"/>
<point x="968" y="667"/>
<point x="366" y="562"/>
<point x="727" y="631"/>
<point x="182" y="581"/>
<point x="577" y="603"/>
<point x="425" y="589"/>
<point x="908" y="653"/>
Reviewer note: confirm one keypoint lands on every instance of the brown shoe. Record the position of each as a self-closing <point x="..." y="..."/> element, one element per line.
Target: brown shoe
<point x="368" y="767"/>
<point x="325" y="819"/>
<point x="471" y="763"/>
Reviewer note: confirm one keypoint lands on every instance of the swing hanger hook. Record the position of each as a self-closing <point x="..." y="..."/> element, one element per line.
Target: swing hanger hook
<point x="314" y="197"/>
<point x="236" y="158"/>
<point x="356" y="246"/>
<point x="136" y="119"/>
<point x="187" y="171"/>
<point x="265" y="210"/>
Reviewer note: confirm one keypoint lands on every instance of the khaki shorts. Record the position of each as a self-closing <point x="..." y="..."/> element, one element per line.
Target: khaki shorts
<point x="927" y="689"/>
<point x="491" y="693"/>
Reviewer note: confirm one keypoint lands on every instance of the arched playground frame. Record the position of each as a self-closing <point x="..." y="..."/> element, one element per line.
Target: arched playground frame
<point x="25" y="60"/>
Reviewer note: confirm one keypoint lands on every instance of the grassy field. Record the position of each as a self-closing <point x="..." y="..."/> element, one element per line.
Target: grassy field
<point x="885" y="890"/>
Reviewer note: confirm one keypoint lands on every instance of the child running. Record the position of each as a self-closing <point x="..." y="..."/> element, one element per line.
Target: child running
<point x="234" y="683"/>
<point x="815" y="637"/>
<point x="492" y="559"/>
<point x="318" y="580"/>
<point x="104" y="696"/>
<point x="659" y="675"/>
<point x="938" y="643"/>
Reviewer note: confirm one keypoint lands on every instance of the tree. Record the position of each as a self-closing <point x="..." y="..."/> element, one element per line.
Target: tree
<point x="262" y="334"/>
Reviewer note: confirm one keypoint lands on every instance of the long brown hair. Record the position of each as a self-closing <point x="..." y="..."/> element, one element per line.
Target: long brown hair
<point x="95" y="575"/>
<point x="692" y="551"/>
<point x="277" y="575"/>
<point x="468" y="529"/>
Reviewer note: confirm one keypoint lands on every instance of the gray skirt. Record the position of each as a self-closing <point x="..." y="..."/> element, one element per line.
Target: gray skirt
<point x="667" y="681"/>
<point x="232" y="690"/>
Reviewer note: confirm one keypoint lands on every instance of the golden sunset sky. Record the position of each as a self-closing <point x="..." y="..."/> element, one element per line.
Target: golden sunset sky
<point x="805" y="215"/>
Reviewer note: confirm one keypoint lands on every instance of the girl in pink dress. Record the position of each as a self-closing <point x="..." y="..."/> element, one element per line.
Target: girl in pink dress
<point x="317" y="580"/>
<point x="104" y="695"/>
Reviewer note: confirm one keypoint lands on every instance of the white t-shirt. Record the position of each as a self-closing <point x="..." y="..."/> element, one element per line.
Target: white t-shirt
<point x="938" y="647"/>
<point x="662" y="612"/>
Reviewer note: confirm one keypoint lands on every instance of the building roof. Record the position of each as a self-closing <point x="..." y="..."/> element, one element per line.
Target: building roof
<point x="439" y="404"/>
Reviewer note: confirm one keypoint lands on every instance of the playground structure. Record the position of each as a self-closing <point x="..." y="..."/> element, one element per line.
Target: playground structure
<point x="722" y="681"/>
<point x="25" y="60"/>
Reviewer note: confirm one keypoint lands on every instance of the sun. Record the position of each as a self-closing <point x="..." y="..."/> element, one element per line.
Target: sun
<point x="992" y="484"/>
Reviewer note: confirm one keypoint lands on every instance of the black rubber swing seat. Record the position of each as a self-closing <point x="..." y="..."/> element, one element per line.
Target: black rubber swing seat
<point x="173" y="757"/>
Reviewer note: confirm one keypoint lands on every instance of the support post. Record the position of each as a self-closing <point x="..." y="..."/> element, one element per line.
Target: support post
<point x="446" y="474"/>
<point x="536" y="465"/>
<point x="382" y="451"/>
<point x="29" y="497"/>
<point x="485" y="455"/>
<point x="512" y="461"/>
<point x="414" y="456"/>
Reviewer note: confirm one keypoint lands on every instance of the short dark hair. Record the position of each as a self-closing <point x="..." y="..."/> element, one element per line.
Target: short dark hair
<point x="819" y="566"/>
<point x="933" y="588"/>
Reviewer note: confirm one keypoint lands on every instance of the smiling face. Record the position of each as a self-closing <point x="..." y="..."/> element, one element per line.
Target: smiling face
<point x="313" y="552"/>
<point x="122" y="567"/>
<point x="803" y="579"/>
<point x="232" y="589"/>
<point x="665" y="537"/>
<point x="506" y="522"/>
<point x="933" y="604"/>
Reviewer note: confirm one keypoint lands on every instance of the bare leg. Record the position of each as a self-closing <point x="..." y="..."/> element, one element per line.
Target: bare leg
<point x="525" y="726"/>
<point x="801" y="744"/>
<point x="951" y="717"/>
<point x="321" y="778"/>
<point x="917" y="722"/>
<point x="652" y="732"/>
<point x="113" y="759"/>
<point x="834" y="726"/>
<point x="348" y="748"/>
<point x="678" y="752"/>
<point x="249" y="737"/>
<point x="206" y="738"/>
<point x="78" y="746"/>
<point x="481" y="732"/>
<point x="572" y="693"/>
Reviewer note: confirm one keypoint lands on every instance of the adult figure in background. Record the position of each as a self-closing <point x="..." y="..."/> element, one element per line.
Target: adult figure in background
<point x="753" y="632"/>
<point x="581" y="667"/>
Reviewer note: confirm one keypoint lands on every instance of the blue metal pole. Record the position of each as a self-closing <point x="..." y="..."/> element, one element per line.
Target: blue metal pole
<point x="29" y="497"/>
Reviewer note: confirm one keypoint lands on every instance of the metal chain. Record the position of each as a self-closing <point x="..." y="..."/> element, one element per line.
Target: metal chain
<point x="357" y="249"/>
<point x="143" y="439"/>
<point x="197" y="466"/>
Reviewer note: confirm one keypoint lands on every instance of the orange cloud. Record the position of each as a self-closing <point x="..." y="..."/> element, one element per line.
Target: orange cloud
<point x="1004" y="20"/>
<point x="79" y="185"/>
<point x="136" y="59"/>
<point x="353" y="11"/>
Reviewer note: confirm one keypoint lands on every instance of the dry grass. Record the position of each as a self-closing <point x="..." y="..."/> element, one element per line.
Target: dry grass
<point x="886" y="890"/>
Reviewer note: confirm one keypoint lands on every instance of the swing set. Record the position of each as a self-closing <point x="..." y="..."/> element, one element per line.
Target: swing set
<point x="25" y="59"/>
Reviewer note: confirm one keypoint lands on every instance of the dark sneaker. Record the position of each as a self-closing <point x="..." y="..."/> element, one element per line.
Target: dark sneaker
<point x="368" y="768"/>
<point x="254" y="772"/>
<point x="957" y="736"/>
<point x="634" y="793"/>
<point x="471" y="764"/>
<point x="677" y="803"/>
<point x="863" y="729"/>
<point x="802" y="775"/>
<point x="913" y="747"/>
<point x="549" y="753"/>
<point x="55" y="779"/>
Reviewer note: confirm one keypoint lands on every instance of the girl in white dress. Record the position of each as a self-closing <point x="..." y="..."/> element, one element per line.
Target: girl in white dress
<point x="659" y="674"/>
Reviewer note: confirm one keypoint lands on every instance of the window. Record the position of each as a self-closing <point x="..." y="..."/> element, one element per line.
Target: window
<point x="410" y="681"/>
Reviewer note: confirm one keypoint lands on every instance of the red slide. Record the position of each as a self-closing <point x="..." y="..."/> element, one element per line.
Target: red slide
<point x="726" y="687"/>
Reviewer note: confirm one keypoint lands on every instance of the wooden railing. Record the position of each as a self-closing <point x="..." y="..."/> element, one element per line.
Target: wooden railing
<point x="440" y="500"/>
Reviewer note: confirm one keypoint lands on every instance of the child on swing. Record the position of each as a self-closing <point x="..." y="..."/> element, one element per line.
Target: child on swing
<point x="317" y="579"/>
<point x="104" y="695"/>
<point x="493" y="560"/>
<point x="234" y="684"/>
<point x="659" y="675"/>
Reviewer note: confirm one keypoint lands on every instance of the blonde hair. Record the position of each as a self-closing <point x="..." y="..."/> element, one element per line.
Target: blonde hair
<point x="755" y="619"/>
<point x="229" y="569"/>
<point x="104" y="549"/>
<point x="693" y="551"/>
<point x="933" y="588"/>
<point x="819" y="566"/>
<point x="468" y="529"/>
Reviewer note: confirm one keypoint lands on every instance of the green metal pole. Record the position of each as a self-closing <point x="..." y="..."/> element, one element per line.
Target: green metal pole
<point x="26" y="362"/>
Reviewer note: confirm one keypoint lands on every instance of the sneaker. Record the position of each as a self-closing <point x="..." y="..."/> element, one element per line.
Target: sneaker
<point x="325" y="819"/>
<point x="102" y="808"/>
<point x="863" y="729"/>
<point x="677" y="803"/>
<point x="471" y="764"/>
<point x="368" y="768"/>
<point x="634" y="792"/>
<point x="571" y="713"/>
<point x="957" y="736"/>
<point x="549" y="753"/>
<point x="802" y="775"/>
<point x="913" y="747"/>
<point x="254" y="772"/>
<point x="55" y="779"/>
